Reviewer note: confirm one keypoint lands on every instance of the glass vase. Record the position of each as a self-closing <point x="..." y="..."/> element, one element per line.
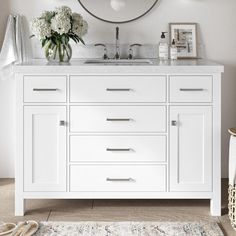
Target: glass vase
<point x="58" y="53"/>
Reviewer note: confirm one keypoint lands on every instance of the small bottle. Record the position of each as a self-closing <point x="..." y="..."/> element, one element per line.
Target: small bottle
<point x="173" y="51"/>
<point x="163" y="47"/>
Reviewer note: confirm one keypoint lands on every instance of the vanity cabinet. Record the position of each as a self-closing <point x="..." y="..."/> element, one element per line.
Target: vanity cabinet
<point x="118" y="132"/>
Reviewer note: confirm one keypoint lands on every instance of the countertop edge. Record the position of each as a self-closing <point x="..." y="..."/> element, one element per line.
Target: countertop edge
<point x="78" y="67"/>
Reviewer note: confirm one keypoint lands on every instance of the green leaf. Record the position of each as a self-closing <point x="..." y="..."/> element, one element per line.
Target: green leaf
<point x="73" y="38"/>
<point x="63" y="39"/>
<point x="44" y="41"/>
<point x="53" y="38"/>
<point x="77" y="39"/>
<point x="82" y="41"/>
<point x="67" y="39"/>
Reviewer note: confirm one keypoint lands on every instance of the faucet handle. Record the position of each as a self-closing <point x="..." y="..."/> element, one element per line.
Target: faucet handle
<point x="131" y="50"/>
<point x="135" y="44"/>
<point x="105" y="49"/>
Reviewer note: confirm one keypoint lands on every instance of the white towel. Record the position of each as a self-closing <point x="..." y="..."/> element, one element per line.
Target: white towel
<point x="15" y="48"/>
<point x="232" y="160"/>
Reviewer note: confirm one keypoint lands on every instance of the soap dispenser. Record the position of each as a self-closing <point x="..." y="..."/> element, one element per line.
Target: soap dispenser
<point x="163" y="47"/>
<point x="173" y="51"/>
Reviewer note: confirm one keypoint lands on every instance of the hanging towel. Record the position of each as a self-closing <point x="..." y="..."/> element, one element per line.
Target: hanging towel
<point x="16" y="46"/>
<point x="232" y="160"/>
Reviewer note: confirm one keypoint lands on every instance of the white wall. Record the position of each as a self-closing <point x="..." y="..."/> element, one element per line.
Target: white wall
<point x="6" y="108"/>
<point x="217" y="33"/>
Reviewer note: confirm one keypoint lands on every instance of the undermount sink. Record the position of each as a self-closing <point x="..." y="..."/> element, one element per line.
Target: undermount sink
<point x="119" y="61"/>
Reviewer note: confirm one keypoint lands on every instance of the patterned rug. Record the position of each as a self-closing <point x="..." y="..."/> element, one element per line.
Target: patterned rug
<point x="129" y="229"/>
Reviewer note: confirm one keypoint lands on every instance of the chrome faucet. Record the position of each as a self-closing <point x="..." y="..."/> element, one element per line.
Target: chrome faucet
<point x="117" y="48"/>
<point x="117" y="55"/>
<point x="131" y="56"/>
<point x="105" y="57"/>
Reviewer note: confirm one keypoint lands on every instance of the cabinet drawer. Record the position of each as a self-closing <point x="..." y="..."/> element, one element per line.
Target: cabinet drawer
<point x="120" y="119"/>
<point x="45" y="88"/>
<point x="118" y="178"/>
<point x="117" y="89"/>
<point x="191" y="88"/>
<point x="117" y="148"/>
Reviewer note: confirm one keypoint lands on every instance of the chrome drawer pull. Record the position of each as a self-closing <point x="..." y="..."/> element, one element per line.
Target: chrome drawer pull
<point x="118" y="149"/>
<point x="191" y="89"/>
<point x="120" y="180"/>
<point x="118" y="119"/>
<point x="44" y="89"/>
<point x="118" y="89"/>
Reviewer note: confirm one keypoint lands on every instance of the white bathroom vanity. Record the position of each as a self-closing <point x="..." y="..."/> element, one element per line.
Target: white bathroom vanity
<point x="107" y="131"/>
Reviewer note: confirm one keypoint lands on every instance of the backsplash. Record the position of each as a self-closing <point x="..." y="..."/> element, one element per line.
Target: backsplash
<point x="90" y="51"/>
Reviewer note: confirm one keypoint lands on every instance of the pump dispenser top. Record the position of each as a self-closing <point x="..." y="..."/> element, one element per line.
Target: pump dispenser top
<point x="173" y="51"/>
<point x="163" y="35"/>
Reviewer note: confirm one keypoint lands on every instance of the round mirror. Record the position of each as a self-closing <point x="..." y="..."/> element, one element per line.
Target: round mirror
<point x="118" y="11"/>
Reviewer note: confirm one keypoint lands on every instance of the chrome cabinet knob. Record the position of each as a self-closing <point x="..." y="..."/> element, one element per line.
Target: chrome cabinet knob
<point x="62" y="123"/>
<point x="174" y="123"/>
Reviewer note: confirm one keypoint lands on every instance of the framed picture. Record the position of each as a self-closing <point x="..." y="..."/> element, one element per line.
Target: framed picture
<point x="185" y="36"/>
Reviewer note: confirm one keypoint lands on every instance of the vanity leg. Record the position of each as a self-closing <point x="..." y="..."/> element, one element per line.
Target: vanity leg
<point x="19" y="206"/>
<point x="216" y="155"/>
<point x="216" y="206"/>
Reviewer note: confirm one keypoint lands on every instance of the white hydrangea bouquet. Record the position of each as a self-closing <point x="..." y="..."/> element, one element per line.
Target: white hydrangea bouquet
<point x="55" y="29"/>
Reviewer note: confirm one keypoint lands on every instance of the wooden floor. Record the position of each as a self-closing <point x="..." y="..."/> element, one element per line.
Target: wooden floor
<point x="112" y="210"/>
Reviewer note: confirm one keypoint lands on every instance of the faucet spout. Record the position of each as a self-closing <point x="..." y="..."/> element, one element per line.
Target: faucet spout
<point x="117" y="55"/>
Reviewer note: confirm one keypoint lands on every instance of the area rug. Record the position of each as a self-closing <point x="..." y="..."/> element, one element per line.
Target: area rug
<point x="129" y="229"/>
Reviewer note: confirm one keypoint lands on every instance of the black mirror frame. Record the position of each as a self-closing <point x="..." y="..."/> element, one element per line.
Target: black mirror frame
<point x="119" y="22"/>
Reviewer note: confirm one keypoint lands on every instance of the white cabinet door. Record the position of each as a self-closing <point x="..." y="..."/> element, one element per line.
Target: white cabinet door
<point x="190" y="148"/>
<point x="45" y="148"/>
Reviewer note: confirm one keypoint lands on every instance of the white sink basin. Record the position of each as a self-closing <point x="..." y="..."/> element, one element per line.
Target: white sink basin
<point x="119" y="61"/>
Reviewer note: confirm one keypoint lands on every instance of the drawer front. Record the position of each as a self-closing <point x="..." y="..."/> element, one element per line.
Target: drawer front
<point x="117" y="148"/>
<point x="112" y="178"/>
<point x="111" y="89"/>
<point x="119" y="119"/>
<point x="191" y="88"/>
<point x="45" y="88"/>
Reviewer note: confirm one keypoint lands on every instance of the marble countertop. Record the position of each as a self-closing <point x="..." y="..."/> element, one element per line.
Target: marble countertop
<point x="78" y="66"/>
